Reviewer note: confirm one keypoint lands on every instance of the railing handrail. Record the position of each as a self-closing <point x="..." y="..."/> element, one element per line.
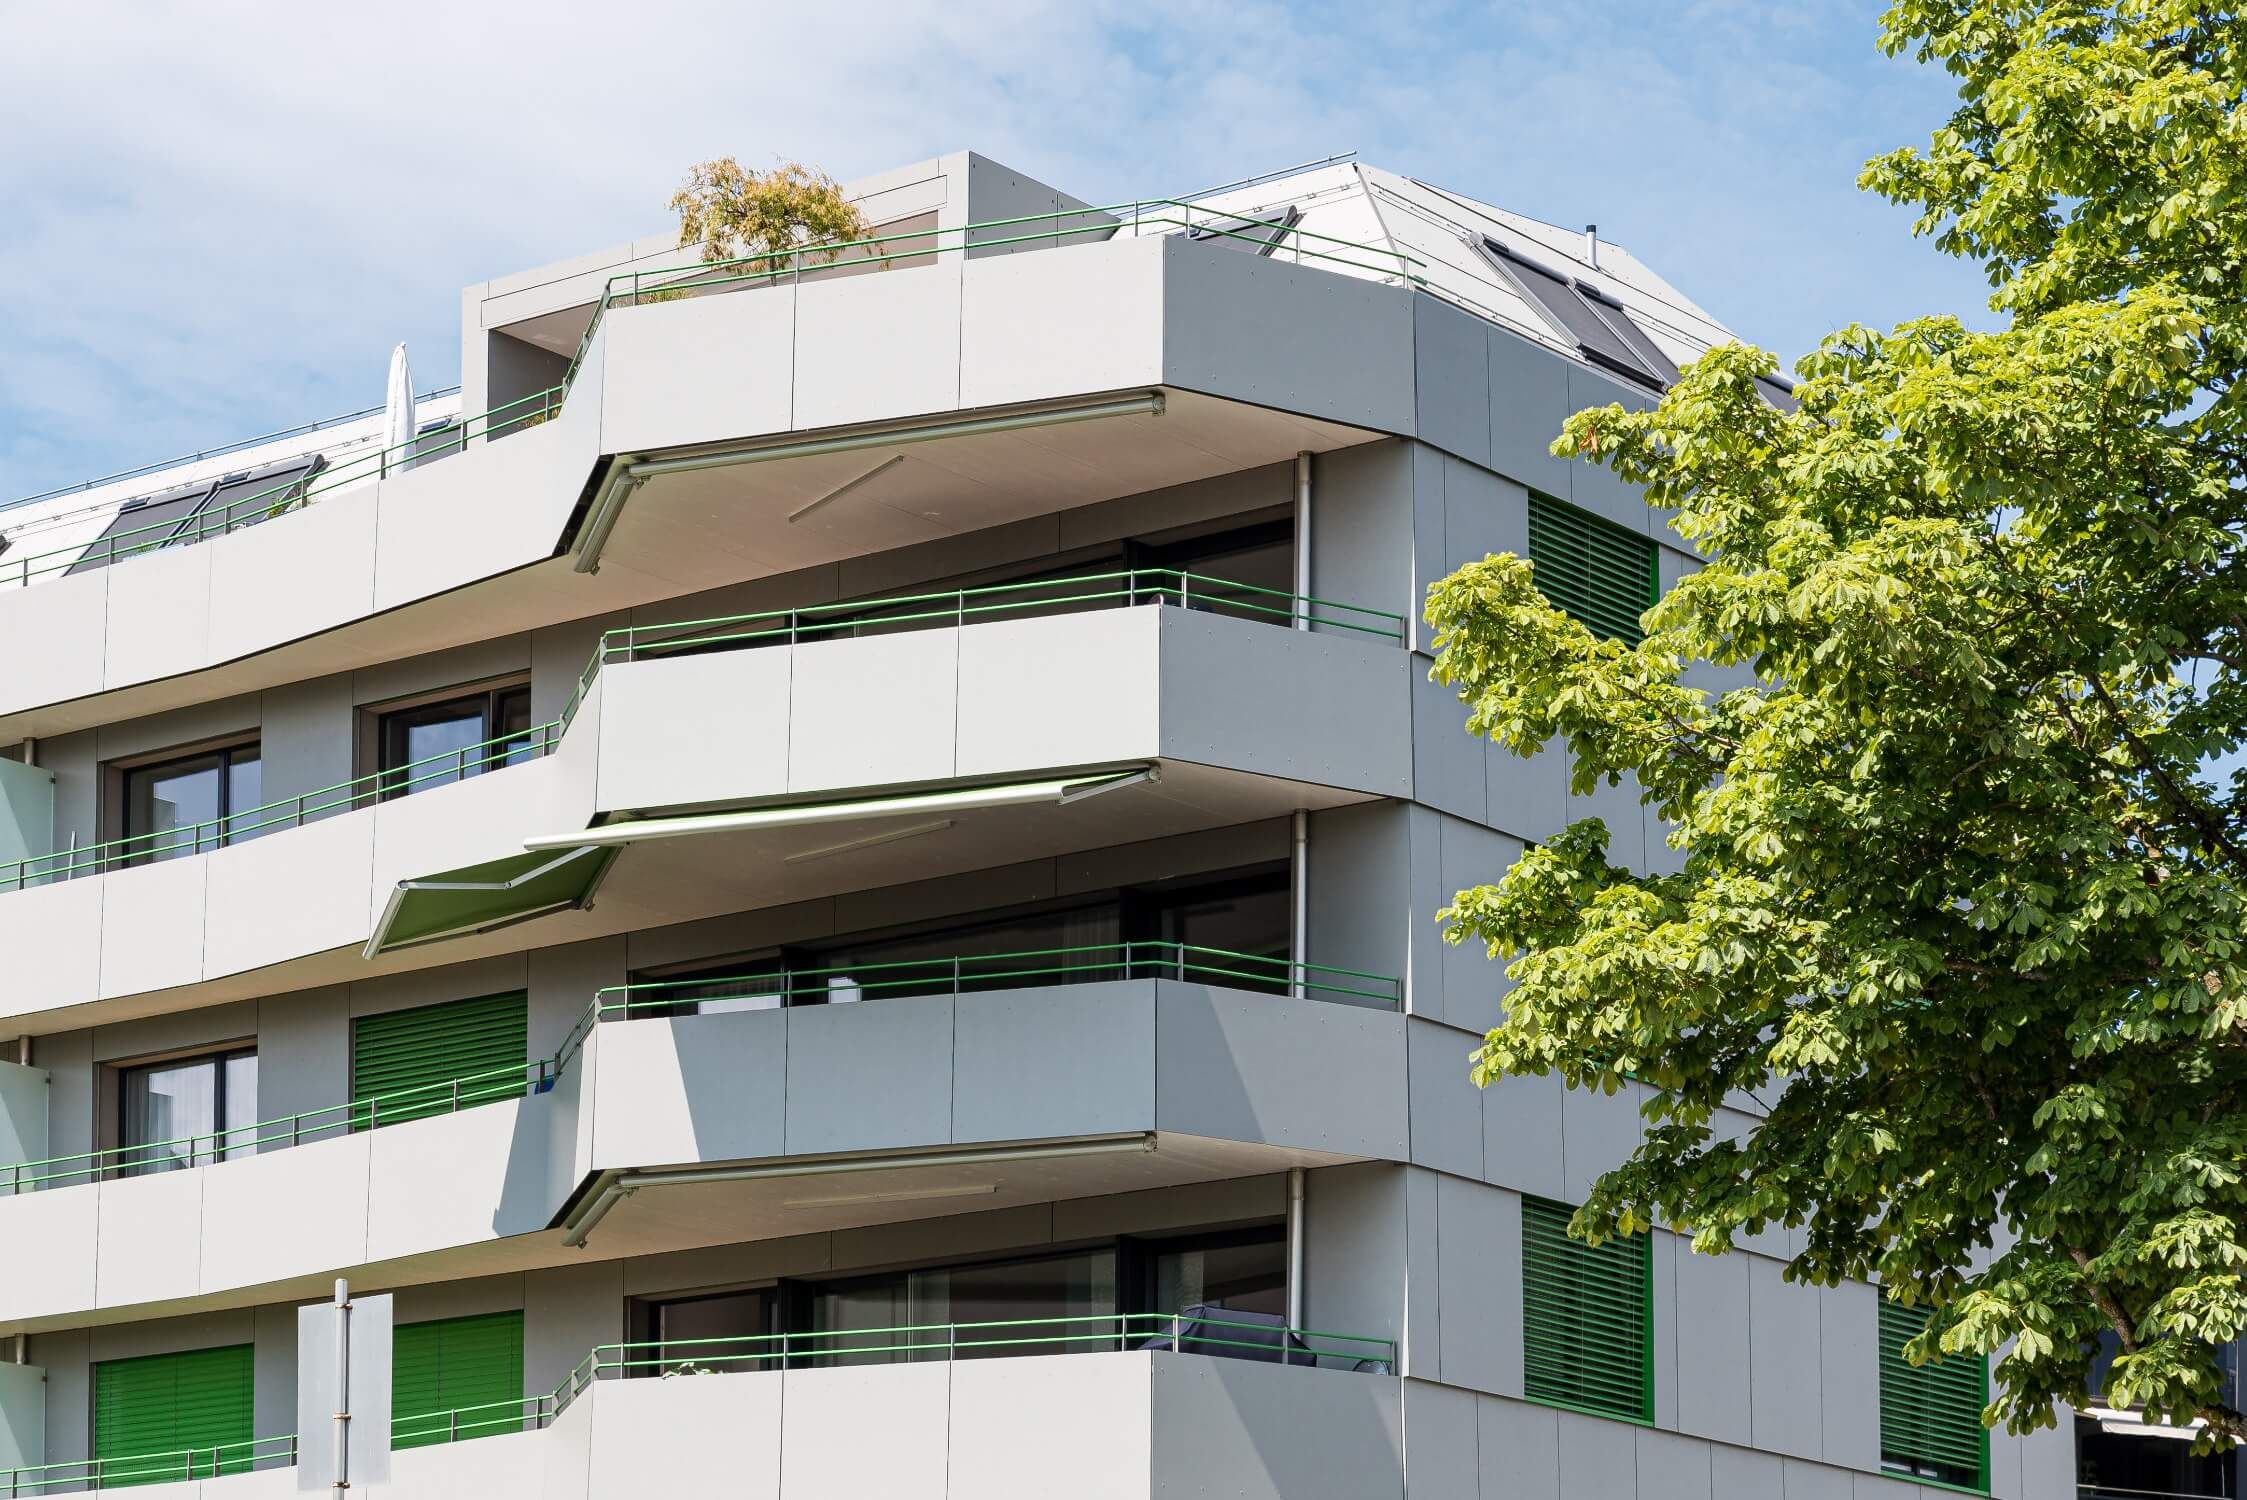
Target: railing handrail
<point x="286" y="494"/>
<point x="543" y="1407"/>
<point x="534" y="742"/>
<point x="1104" y="220"/>
<point x="347" y="1118"/>
<point x="628" y="643"/>
<point x="1139" y="216"/>
<point x="1161" y="955"/>
<point x="302" y="429"/>
<point x="147" y="1468"/>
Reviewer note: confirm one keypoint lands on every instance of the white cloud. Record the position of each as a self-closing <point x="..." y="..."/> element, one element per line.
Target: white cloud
<point x="221" y="215"/>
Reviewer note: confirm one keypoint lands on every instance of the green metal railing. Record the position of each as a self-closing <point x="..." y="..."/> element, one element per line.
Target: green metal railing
<point x="290" y="494"/>
<point x="1084" y="591"/>
<point x="176" y="1466"/>
<point x="1086" y="1334"/>
<point x="990" y="971"/>
<point x="1079" y="225"/>
<point x="632" y="288"/>
<point x="1119" y="588"/>
<point x="420" y="1102"/>
<point x="817" y="622"/>
<point x="966" y="974"/>
<point x="289" y="812"/>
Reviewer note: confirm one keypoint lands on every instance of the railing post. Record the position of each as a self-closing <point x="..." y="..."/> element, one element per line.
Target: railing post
<point x="1181" y="947"/>
<point x="955" y="976"/>
<point x="456" y="1096"/>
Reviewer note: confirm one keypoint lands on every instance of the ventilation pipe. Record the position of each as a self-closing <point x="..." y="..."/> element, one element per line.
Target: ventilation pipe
<point x="1295" y="1247"/>
<point x="1591" y="245"/>
<point x="1303" y="540"/>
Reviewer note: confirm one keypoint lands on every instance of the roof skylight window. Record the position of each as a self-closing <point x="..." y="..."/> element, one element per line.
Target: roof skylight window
<point x="1596" y="323"/>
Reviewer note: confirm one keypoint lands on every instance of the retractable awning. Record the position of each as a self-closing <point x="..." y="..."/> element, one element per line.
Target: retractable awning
<point x="1061" y="790"/>
<point x="498" y="893"/>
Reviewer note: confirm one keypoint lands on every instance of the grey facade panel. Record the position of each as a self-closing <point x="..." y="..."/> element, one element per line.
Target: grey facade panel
<point x="1075" y="1060"/>
<point x="1442" y="1460"/>
<point x="1215" y="1076"/>
<point x="1214" y="1422"/>
<point x="1451" y="377"/>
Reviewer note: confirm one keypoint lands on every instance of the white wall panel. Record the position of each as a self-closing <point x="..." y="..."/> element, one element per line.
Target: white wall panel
<point x="828" y="1452"/>
<point x="152" y="926"/>
<point x="878" y="346"/>
<point x="69" y="617"/>
<point x="699" y="370"/>
<point x="320" y="1189"/>
<point x="1032" y="1429"/>
<point x="873" y="712"/>
<point x="294" y="891"/>
<point x="159" y="615"/>
<point x="1070" y="690"/>
<point x="262" y="592"/>
<point x="148" y="1238"/>
<point x="1082" y="319"/>
<point x="736" y="703"/>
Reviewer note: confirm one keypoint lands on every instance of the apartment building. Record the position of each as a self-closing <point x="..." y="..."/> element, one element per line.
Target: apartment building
<point x="829" y="878"/>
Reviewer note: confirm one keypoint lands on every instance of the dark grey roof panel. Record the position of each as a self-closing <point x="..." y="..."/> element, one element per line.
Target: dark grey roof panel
<point x="1601" y="330"/>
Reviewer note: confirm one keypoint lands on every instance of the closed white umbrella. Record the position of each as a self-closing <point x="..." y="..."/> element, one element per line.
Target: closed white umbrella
<point x="398" y="415"/>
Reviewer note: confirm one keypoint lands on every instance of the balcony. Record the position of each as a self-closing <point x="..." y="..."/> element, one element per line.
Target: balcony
<point x="962" y="1410"/>
<point x="1164" y="675"/>
<point x="1225" y="1066"/>
<point x="989" y="391"/>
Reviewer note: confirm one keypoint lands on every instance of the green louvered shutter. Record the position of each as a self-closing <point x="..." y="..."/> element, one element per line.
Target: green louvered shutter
<point x="1587" y="1317"/>
<point x="1595" y="570"/>
<point x="456" y="1378"/>
<point x="174" y="1416"/>
<point x="1931" y="1416"/>
<point x="421" y="1053"/>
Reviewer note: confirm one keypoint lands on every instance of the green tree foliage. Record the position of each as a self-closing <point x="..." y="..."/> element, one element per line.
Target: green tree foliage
<point x="1956" y="892"/>
<point x="733" y="213"/>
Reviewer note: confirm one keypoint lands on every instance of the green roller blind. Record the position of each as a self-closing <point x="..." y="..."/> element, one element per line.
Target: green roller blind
<point x="1587" y="1317"/>
<point x="456" y="1378"/>
<point x="174" y="1416"/>
<point x="404" y="1064"/>
<point x="1596" y="571"/>
<point x="1931" y="1416"/>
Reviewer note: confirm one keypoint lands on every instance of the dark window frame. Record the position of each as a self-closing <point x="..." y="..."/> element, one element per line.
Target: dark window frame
<point x="487" y="702"/>
<point x="216" y="1059"/>
<point x="227" y="752"/>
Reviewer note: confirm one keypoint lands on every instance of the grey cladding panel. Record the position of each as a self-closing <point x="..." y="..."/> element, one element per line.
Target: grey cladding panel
<point x="1451" y="377"/>
<point x="873" y="1074"/>
<point x="1219" y="1426"/>
<point x="1078" y="1060"/>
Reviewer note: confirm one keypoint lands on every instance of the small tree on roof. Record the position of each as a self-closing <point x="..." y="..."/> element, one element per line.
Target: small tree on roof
<point x="734" y="213"/>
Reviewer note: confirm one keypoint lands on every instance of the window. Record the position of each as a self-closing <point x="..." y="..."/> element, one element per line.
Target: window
<point x="1586" y="316"/>
<point x="436" y="744"/>
<point x="1243" y="1272"/>
<point x="192" y="512"/>
<point x="721" y="1331"/>
<point x="174" y="1416"/>
<point x="1599" y="573"/>
<point x="1931" y="1416"/>
<point x="884" y="1319"/>
<point x="1587" y="1325"/>
<point x="1245" y="912"/>
<point x="187" y="1111"/>
<point x="410" y="1064"/>
<point x="180" y="807"/>
<point x="456" y="1378"/>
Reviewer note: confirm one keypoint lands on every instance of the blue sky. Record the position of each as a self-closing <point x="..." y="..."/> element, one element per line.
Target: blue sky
<point x="230" y="211"/>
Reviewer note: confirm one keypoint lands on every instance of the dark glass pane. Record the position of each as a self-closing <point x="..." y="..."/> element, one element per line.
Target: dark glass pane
<point x="1250" y="919"/>
<point x="245" y="791"/>
<point x="429" y="746"/>
<point x="1016" y="1304"/>
<point x="714" y="1333"/>
<point x="240" y="1112"/>
<point x="1046" y="948"/>
<point x="172" y="810"/>
<point x="1248" y="1277"/>
<point x="165" y="1107"/>
<point x="511" y="721"/>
